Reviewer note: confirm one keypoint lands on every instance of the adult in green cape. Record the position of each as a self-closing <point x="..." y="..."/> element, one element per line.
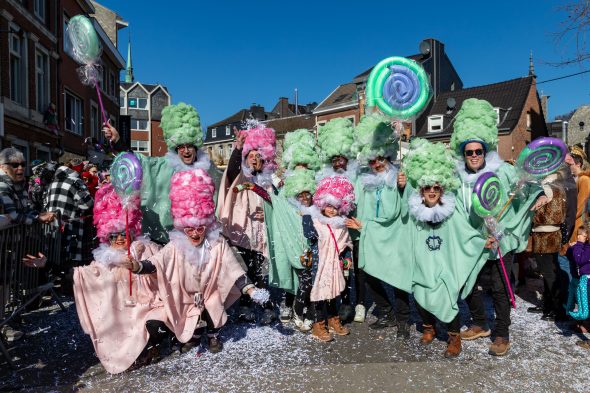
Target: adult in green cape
<point x="446" y="250"/>
<point x="184" y="137"/>
<point x="379" y="216"/>
<point x="291" y="255"/>
<point x="474" y="142"/>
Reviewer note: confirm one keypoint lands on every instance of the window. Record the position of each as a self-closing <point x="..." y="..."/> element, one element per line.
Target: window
<point x="214" y="133"/>
<point x="227" y="131"/>
<point x="351" y="118"/>
<point x="140" y="125"/>
<point x="44" y="155"/>
<point x="435" y="123"/>
<point x="94" y="121"/>
<point x="17" y="69"/>
<point x="67" y="42"/>
<point x="42" y="74"/>
<point x="40" y="9"/>
<point x="74" y="114"/>
<point x="122" y="101"/>
<point x="139" y="146"/>
<point x="112" y="84"/>
<point x="228" y="151"/>
<point x="137" y="103"/>
<point x="497" y="110"/>
<point x="528" y="120"/>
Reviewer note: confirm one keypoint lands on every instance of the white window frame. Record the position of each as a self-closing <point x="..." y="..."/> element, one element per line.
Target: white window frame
<point x="136" y="145"/>
<point x="78" y="127"/>
<point x="42" y="103"/>
<point x="17" y="94"/>
<point x="122" y="100"/>
<point x="95" y="121"/>
<point x="352" y="119"/>
<point x="435" y="121"/>
<point x="497" y="110"/>
<point x="40" y="10"/>
<point x="227" y="130"/>
<point x="136" y="122"/>
<point x="214" y="132"/>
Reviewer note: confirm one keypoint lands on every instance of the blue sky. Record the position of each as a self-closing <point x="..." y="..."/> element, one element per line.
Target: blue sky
<point x="221" y="56"/>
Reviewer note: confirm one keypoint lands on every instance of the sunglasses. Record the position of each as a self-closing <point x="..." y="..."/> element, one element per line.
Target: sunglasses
<point x="477" y="152"/>
<point x="185" y="147"/>
<point x="17" y="164"/>
<point x="376" y="160"/>
<point x="115" y="235"/>
<point x="437" y="189"/>
<point x="338" y="159"/>
<point x="200" y="230"/>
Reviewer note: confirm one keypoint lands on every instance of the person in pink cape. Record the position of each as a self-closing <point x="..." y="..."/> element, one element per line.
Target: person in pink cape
<point x="198" y="275"/>
<point x="244" y="190"/>
<point x="120" y="326"/>
<point x="334" y="199"/>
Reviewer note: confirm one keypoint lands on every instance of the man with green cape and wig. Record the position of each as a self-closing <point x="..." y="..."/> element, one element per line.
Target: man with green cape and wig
<point x="474" y="142"/>
<point x="184" y="137"/>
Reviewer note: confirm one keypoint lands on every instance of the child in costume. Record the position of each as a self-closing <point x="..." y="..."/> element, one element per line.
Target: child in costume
<point x="120" y="326"/>
<point x="378" y="214"/>
<point x="474" y="142"/>
<point x="184" y="137"/>
<point x="334" y="198"/>
<point x="446" y="250"/>
<point x="198" y="274"/>
<point x="245" y="188"/>
<point x="579" y="253"/>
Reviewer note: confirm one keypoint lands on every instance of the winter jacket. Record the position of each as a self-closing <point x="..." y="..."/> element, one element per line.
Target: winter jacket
<point x="15" y="200"/>
<point x="580" y="254"/>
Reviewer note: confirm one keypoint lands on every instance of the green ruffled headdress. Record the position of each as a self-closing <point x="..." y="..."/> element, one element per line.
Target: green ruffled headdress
<point x="300" y="180"/>
<point x="475" y="122"/>
<point x="373" y="138"/>
<point x="428" y="163"/>
<point x="299" y="148"/>
<point x="335" y="138"/>
<point x="181" y="125"/>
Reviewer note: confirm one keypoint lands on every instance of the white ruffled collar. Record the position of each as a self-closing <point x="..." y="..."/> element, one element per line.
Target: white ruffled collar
<point x="195" y="255"/>
<point x="492" y="163"/>
<point x="436" y="214"/>
<point x="372" y="181"/>
<point x="314" y="212"/>
<point x="263" y="178"/>
<point x="350" y="173"/>
<point x="174" y="160"/>
<point x="109" y="256"/>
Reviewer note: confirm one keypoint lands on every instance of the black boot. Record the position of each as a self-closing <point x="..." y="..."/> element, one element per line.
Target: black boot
<point x="384" y="321"/>
<point x="403" y="331"/>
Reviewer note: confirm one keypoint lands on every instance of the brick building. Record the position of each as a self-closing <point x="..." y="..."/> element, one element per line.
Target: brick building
<point x="37" y="70"/>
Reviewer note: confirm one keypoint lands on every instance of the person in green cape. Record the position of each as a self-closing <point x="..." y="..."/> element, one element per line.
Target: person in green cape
<point x="446" y="249"/>
<point x="379" y="195"/>
<point x="474" y="141"/>
<point x="184" y="137"/>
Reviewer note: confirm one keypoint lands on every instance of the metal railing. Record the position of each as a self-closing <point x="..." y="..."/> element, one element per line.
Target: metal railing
<point x="21" y="285"/>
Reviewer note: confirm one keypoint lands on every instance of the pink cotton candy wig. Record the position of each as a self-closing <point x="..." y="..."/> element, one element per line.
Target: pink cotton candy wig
<point x="191" y="197"/>
<point x="263" y="140"/>
<point x="337" y="191"/>
<point x="109" y="215"/>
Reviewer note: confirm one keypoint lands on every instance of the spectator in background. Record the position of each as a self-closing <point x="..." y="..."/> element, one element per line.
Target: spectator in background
<point x="69" y="195"/>
<point x="90" y="177"/>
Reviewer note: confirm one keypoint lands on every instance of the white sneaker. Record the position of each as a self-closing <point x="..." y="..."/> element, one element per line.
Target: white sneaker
<point x="306" y="327"/>
<point x="302" y="325"/>
<point x="359" y="313"/>
<point x="286" y="314"/>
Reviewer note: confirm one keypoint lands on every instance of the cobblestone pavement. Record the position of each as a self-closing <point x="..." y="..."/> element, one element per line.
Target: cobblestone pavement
<point x="55" y="355"/>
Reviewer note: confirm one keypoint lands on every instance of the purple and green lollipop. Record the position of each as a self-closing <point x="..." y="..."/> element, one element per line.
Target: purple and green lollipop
<point x="542" y="157"/>
<point x="488" y="195"/>
<point x="126" y="174"/>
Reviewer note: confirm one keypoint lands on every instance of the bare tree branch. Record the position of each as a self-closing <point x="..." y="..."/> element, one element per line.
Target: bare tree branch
<point x="575" y="28"/>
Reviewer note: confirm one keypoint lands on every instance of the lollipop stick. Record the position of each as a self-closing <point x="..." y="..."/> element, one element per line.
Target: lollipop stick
<point x="128" y="249"/>
<point x="507" y="279"/>
<point x="104" y="116"/>
<point x="505" y="206"/>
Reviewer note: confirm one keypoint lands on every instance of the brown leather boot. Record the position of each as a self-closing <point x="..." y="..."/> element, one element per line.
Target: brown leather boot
<point x="428" y="334"/>
<point x="453" y="346"/>
<point x="336" y="327"/>
<point x="319" y="331"/>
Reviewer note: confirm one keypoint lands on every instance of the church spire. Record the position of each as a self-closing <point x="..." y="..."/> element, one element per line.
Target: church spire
<point x="531" y="66"/>
<point x="129" y="68"/>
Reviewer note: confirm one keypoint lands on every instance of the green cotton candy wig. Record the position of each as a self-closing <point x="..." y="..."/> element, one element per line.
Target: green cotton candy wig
<point x="475" y="122"/>
<point x="298" y="181"/>
<point x="181" y="125"/>
<point x="373" y="138"/>
<point x="335" y="138"/>
<point x="428" y="163"/>
<point x="299" y="148"/>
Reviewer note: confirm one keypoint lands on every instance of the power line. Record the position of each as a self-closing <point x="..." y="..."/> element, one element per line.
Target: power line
<point x="563" y="77"/>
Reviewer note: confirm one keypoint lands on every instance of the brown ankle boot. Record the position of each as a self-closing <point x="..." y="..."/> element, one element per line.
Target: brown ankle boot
<point x="428" y="334"/>
<point x="336" y="327"/>
<point x="453" y="346"/>
<point x="319" y="331"/>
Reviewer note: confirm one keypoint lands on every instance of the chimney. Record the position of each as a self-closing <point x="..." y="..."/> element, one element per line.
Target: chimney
<point x="544" y="108"/>
<point x="433" y="51"/>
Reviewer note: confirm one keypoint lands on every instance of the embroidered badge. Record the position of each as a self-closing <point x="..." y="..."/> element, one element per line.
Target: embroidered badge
<point x="434" y="242"/>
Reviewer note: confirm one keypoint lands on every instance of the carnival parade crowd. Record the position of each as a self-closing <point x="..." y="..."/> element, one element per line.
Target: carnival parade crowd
<point x="339" y="221"/>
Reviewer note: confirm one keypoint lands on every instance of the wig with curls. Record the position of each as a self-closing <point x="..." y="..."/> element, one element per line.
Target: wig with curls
<point x="181" y="125"/>
<point x="427" y="164"/>
<point x="299" y="149"/>
<point x="475" y="122"/>
<point x="263" y="140"/>
<point x="109" y="215"/>
<point x="337" y="191"/>
<point x="191" y="198"/>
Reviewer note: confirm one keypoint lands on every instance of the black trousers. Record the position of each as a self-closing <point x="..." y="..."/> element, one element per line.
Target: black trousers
<point x="359" y="277"/>
<point x="429" y="319"/>
<point x="324" y="309"/>
<point x="256" y="272"/>
<point x="553" y="293"/>
<point x="382" y="303"/>
<point x="211" y="330"/>
<point x="305" y="277"/>
<point x="491" y="278"/>
<point x="158" y="332"/>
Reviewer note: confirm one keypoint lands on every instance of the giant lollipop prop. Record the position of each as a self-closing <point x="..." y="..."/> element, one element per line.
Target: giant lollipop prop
<point x="487" y="199"/>
<point x="538" y="159"/>
<point x="126" y="176"/>
<point x="86" y="50"/>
